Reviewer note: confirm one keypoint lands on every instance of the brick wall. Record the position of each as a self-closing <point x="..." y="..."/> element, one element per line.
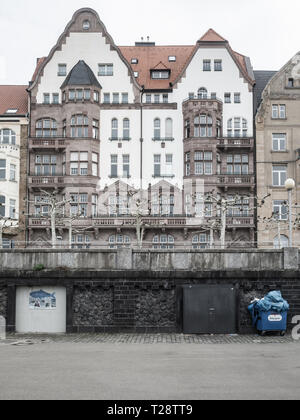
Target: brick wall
<point x="135" y="301"/>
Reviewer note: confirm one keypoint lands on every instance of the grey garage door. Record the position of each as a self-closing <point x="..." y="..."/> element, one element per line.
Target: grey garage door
<point x="209" y="309"/>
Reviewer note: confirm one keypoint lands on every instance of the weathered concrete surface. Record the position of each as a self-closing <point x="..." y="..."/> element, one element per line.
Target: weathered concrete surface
<point x="150" y="371"/>
<point x="154" y="260"/>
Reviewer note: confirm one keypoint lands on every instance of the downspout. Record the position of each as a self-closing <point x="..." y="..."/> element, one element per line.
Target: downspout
<point x="141" y="141"/>
<point x="27" y="173"/>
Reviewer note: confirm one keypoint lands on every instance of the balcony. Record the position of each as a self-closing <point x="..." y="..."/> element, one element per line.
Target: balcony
<point x="236" y="142"/>
<point x="46" y="181"/>
<point x="241" y="181"/>
<point x="129" y="222"/>
<point x="38" y="143"/>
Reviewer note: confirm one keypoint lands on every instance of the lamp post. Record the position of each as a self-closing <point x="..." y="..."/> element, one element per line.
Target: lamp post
<point x="289" y="186"/>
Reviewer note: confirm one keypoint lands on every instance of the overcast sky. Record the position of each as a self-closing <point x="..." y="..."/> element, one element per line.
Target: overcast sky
<point x="267" y="31"/>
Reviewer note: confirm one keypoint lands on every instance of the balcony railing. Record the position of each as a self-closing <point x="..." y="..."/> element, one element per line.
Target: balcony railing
<point x="176" y="222"/>
<point x="236" y="142"/>
<point x="46" y="143"/>
<point x="46" y="180"/>
<point x="236" y="180"/>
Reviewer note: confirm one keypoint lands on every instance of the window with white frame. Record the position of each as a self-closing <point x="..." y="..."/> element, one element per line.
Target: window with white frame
<point x="163" y="242"/>
<point x="106" y="98"/>
<point x="200" y="241"/>
<point x="7" y="136"/>
<point x="106" y="70"/>
<point x="46" y="127"/>
<point x="125" y="98"/>
<point x="114" y="166"/>
<point x="218" y="65"/>
<point x="94" y="205"/>
<point x="238" y="164"/>
<point x="81" y="241"/>
<point x="95" y="129"/>
<point x="46" y="98"/>
<point x="119" y="241"/>
<point x="12" y="172"/>
<point x="279" y="142"/>
<point x="157" y="165"/>
<point x="240" y="206"/>
<point x="118" y="204"/>
<point x="114" y="129"/>
<point x="2" y="205"/>
<point x="280" y="209"/>
<point x="45" y="165"/>
<point x="160" y="74"/>
<point x="279" y="175"/>
<point x="202" y="93"/>
<point x="95" y="162"/>
<point x="162" y="204"/>
<point x="2" y="168"/>
<point x="237" y="98"/>
<point x="79" y="126"/>
<point x="41" y="207"/>
<point x="237" y="127"/>
<point x="169" y="128"/>
<point x="126" y="166"/>
<point x="126" y="129"/>
<point x="157" y="129"/>
<point x="278" y="112"/>
<point x="12" y="209"/>
<point x="116" y="98"/>
<point x="79" y="205"/>
<point x="62" y="70"/>
<point x="206" y="65"/>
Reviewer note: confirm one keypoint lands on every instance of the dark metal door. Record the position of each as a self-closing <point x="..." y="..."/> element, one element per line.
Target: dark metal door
<point x="209" y="309"/>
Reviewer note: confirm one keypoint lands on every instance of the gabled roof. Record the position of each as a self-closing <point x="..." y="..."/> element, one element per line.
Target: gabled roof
<point x="81" y="75"/>
<point x="212" y="36"/>
<point x="262" y="77"/>
<point x="160" y="66"/>
<point x="13" y="97"/>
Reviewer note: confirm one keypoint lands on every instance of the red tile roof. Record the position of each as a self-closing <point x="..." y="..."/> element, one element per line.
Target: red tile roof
<point x="154" y="58"/>
<point x="212" y="36"/>
<point x="13" y="97"/>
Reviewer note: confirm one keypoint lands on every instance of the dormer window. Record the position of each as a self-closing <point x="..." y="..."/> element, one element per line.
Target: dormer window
<point x="86" y="25"/>
<point x="160" y="74"/>
<point x="134" y="61"/>
<point x="172" y="58"/>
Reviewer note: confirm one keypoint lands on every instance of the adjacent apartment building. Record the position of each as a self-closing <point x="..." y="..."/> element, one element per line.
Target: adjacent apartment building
<point x="175" y="122"/>
<point x="278" y="154"/>
<point x="13" y="160"/>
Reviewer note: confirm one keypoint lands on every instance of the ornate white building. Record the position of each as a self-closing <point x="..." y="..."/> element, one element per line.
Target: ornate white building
<point x="106" y="118"/>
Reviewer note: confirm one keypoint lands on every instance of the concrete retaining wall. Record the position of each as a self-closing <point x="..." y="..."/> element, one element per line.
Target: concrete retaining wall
<point x="127" y="259"/>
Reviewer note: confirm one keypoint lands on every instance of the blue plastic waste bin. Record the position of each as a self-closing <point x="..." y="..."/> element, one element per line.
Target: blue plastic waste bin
<point x="274" y="319"/>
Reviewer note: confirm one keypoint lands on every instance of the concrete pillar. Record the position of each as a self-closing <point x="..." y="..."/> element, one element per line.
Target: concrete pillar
<point x="291" y="259"/>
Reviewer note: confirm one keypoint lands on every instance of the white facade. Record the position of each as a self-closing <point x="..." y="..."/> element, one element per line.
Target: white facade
<point x="94" y="49"/>
<point x="10" y="167"/>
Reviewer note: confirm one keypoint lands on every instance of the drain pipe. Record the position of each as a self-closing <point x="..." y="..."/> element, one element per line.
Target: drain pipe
<point x="141" y="140"/>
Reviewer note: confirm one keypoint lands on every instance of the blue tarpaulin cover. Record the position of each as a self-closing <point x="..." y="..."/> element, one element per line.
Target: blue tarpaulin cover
<point x="273" y="301"/>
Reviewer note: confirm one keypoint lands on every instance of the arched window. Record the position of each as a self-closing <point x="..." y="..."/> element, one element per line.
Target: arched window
<point x="126" y="129"/>
<point x="2" y="205"/>
<point x="7" y="136"/>
<point x="282" y="243"/>
<point x="119" y="241"/>
<point x="79" y="126"/>
<point x="237" y="127"/>
<point x="163" y="242"/>
<point x="202" y="93"/>
<point x="114" y="129"/>
<point x="200" y="241"/>
<point x="169" y="128"/>
<point x="157" y="133"/>
<point x="46" y="127"/>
